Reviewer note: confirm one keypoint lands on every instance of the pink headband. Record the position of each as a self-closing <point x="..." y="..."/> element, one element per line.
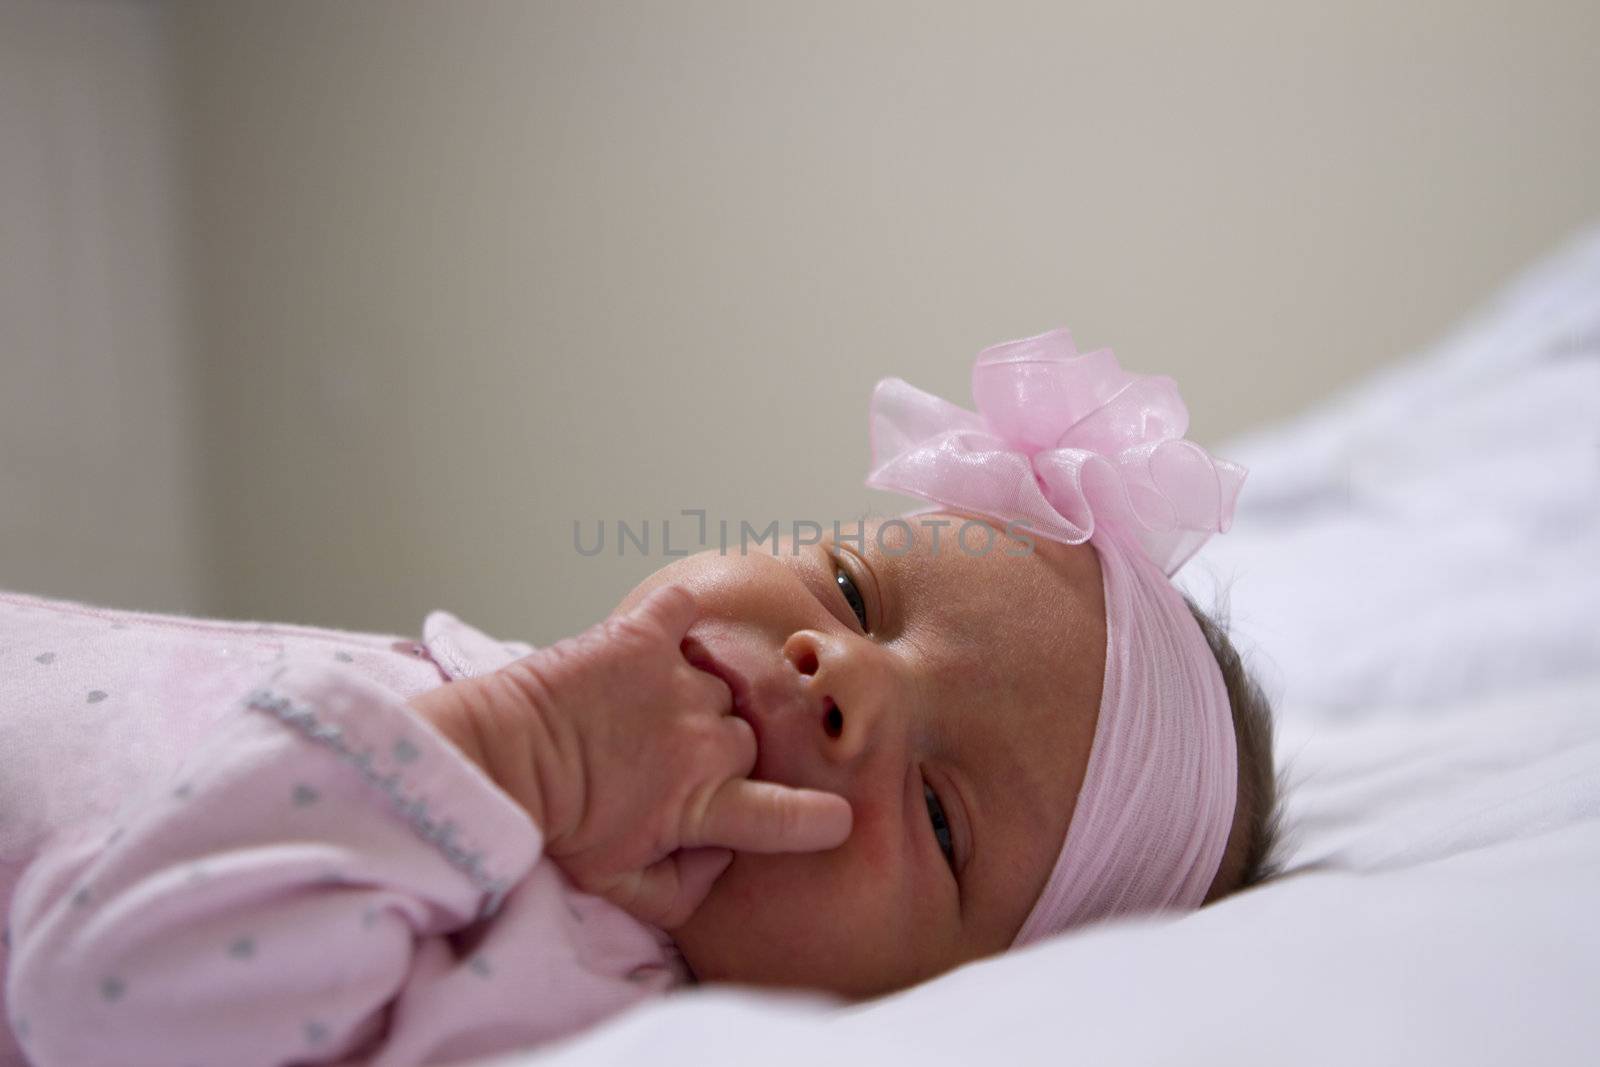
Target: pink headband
<point x="1074" y="448"/>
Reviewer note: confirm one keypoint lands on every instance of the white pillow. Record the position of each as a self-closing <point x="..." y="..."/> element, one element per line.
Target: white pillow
<point x="1434" y="533"/>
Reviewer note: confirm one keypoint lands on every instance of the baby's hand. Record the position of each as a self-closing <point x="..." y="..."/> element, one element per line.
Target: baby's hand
<point x="630" y="761"/>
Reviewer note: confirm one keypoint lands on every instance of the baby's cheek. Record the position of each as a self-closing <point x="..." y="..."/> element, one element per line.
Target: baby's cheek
<point x="875" y="849"/>
<point x="808" y="893"/>
<point x="859" y="887"/>
<point x="809" y="918"/>
<point x="767" y="907"/>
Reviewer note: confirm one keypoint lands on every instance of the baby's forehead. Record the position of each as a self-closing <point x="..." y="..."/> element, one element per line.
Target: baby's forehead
<point x="986" y="556"/>
<point x="1004" y="601"/>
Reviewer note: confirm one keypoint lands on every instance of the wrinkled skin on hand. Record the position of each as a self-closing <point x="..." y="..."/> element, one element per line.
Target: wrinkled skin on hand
<point x="631" y="762"/>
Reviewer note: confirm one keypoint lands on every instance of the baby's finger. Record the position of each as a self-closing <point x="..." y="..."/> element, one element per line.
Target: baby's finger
<point x="741" y="745"/>
<point x="667" y="892"/>
<point x="698" y="871"/>
<point x="755" y="816"/>
<point x="668" y="610"/>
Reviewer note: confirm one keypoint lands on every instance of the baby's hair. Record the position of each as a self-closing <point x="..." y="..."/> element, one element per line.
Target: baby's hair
<point x="1251" y="856"/>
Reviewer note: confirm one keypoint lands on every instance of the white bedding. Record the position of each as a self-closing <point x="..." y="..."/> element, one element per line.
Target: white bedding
<point x="1415" y="569"/>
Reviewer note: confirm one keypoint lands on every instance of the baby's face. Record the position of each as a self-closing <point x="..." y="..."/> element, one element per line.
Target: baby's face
<point x="976" y="675"/>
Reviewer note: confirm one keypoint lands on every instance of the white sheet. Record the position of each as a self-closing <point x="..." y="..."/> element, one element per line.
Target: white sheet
<point x="1415" y="567"/>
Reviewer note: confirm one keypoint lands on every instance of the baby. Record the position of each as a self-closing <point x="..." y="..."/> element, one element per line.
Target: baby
<point x="848" y="764"/>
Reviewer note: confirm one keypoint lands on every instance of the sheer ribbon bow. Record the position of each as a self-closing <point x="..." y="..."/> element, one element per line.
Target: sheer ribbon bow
<point x="1076" y="449"/>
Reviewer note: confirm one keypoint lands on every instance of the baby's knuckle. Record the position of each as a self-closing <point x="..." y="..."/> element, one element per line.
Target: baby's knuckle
<point x="701" y="735"/>
<point x="566" y="654"/>
<point x="711" y="691"/>
<point x="595" y="640"/>
<point x="629" y="628"/>
<point x="739" y="742"/>
<point x="698" y="692"/>
<point x="692" y="811"/>
<point x="530" y="682"/>
<point x="785" y="815"/>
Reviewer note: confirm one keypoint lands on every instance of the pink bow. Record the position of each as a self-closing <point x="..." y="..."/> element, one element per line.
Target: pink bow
<point x="1063" y="442"/>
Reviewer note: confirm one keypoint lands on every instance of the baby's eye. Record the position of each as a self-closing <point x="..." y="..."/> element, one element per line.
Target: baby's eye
<point x="852" y="595"/>
<point x="941" y="826"/>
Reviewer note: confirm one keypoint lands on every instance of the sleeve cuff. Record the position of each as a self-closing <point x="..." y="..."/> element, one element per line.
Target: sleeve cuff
<point x="445" y="798"/>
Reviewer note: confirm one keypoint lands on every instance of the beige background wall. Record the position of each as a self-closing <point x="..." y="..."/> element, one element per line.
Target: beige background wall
<point x="100" y="484"/>
<point x="460" y="273"/>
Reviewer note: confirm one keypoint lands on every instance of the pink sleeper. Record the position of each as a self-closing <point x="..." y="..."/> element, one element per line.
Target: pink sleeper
<point x="235" y="844"/>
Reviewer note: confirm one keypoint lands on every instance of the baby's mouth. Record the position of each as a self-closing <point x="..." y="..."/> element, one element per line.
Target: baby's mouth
<point x="702" y="658"/>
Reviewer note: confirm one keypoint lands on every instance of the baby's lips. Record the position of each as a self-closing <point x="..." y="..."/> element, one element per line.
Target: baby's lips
<point x="702" y="658"/>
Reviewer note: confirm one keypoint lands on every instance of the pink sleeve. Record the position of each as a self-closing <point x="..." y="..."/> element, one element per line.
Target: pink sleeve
<point x="323" y="872"/>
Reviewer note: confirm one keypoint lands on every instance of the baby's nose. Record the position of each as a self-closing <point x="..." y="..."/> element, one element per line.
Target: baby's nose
<point x="837" y="681"/>
<point x="803" y="652"/>
<point x="833" y="721"/>
<point x="846" y="734"/>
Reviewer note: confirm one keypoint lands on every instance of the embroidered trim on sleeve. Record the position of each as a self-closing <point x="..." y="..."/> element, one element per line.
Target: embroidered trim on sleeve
<point x="413" y="809"/>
